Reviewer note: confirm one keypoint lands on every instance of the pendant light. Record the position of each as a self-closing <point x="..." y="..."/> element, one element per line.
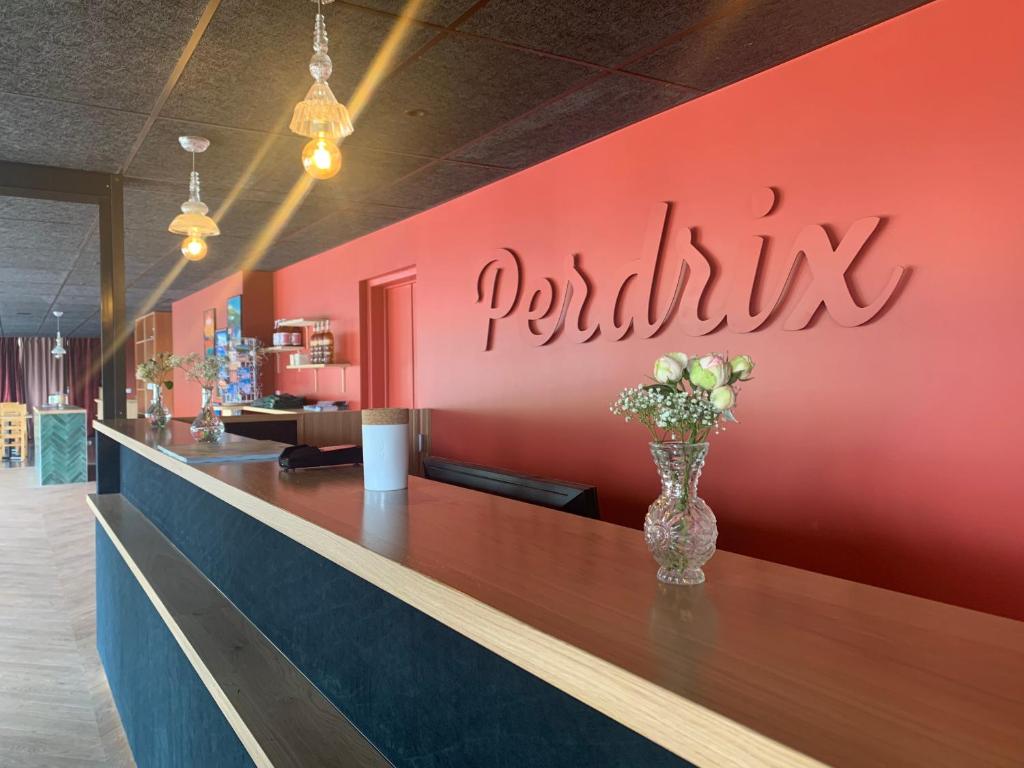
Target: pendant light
<point x="193" y="221"/>
<point x="319" y="115"/>
<point x="58" y="348"/>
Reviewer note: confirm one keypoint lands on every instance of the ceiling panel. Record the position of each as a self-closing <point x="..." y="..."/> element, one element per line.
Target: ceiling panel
<point x="252" y="64"/>
<point x="161" y="157"/>
<point x="115" y="53"/>
<point x="15" y="277"/>
<point x="760" y="35"/>
<point x="466" y="86"/>
<point x="346" y="224"/>
<point x="441" y="181"/>
<point x="441" y="12"/>
<point x="45" y="132"/>
<point x="40" y="244"/>
<point x="30" y="209"/>
<point x="78" y="295"/>
<point x="610" y="103"/>
<point x="85" y="276"/>
<point x="595" y="31"/>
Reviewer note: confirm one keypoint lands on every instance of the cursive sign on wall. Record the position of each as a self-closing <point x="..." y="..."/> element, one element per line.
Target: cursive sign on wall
<point x="632" y="305"/>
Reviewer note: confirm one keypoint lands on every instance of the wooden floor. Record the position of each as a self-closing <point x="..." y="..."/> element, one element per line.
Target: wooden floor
<point x="55" y="707"/>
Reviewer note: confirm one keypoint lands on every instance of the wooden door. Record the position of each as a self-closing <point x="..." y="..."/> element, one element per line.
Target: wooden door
<point x="399" y="346"/>
<point x="388" y="304"/>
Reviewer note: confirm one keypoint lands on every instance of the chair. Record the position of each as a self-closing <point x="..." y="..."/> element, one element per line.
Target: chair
<point x="14" y="429"/>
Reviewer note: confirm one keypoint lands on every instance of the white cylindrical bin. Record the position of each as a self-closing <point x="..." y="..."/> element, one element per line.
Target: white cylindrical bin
<point x="386" y="449"/>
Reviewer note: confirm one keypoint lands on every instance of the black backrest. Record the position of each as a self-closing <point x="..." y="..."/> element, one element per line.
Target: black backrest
<point x="555" y="494"/>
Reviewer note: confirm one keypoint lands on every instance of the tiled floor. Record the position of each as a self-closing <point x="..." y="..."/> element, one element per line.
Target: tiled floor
<point x="55" y="707"/>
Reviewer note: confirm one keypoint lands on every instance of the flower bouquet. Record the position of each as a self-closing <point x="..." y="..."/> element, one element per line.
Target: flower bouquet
<point x="689" y="399"/>
<point x="158" y="373"/>
<point x="204" y="370"/>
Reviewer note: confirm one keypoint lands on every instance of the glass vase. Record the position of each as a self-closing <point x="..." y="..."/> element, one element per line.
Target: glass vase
<point x="207" y="426"/>
<point x="158" y="414"/>
<point x="680" y="528"/>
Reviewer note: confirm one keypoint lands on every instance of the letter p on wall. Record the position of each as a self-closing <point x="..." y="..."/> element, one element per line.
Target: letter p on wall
<point x="497" y="287"/>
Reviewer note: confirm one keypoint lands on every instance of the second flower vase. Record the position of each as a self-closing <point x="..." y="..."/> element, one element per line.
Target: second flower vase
<point x="207" y="427"/>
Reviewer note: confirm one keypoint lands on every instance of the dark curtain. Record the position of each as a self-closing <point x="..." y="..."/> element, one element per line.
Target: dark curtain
<point x="82" y="375"/>
<point x="12" y="375"/>
<point x="44" y="374"/>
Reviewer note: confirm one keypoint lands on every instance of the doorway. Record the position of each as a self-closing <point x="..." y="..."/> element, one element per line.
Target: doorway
<point x="388" y="339"/>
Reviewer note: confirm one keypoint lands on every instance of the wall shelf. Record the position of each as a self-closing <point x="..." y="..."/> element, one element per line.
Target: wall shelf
<point x="315" y="367"/>
<point x="299" y="322"/>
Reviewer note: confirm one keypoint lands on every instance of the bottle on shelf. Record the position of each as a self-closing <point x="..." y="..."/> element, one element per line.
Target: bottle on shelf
<point x="314" y="343"/>
<point x="327" y="346"/>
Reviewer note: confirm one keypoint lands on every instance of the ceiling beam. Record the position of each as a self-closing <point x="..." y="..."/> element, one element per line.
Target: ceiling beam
<point x="105" y="191"/>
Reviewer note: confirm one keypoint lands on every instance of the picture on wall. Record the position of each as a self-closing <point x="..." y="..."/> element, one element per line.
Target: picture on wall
<point x="221" y="350"/>
<point x="209" y="330"/>
<point x="234" y="323"/>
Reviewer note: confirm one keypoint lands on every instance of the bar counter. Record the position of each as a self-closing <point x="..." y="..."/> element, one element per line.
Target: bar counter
<point x="451" y="627"/>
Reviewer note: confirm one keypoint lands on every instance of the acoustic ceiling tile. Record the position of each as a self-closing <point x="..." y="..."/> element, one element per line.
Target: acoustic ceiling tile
<point x="145" y="246"/>
<point x="347" y="224"/>
<point x="441" y="12"/>
<point x="595" y="31"/>
<point x="59" y="212"/>
<point x="161" y="158"/>
<point x="439" y="182"/>
<point x="466" y="86"/>
<point x="760" y="35"/>
<point x="43" y="236"/>
<point x="602" y="107"/>
<point x="79" y="276"/>
<point x="25" y="277"/>
<point x="75" y="136"/>
<point x="114" y="53"/>
<point x="79" y="292"/>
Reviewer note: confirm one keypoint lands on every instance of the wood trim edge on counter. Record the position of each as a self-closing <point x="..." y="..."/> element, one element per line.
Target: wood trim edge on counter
<point x="683" y="727"/>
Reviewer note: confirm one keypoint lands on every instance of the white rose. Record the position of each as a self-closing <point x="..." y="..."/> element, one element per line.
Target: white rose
<point x="667" y="370"/>
<point x="710" y="371"/>
<point x="742" y="367"/>
<point x="680" y="357"/>
<point x="723" y="398"/>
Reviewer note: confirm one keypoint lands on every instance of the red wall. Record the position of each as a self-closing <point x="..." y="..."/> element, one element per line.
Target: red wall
<point x="887" y="453"/>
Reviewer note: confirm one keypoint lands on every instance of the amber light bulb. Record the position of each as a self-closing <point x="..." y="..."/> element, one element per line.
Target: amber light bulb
<point x="193" y="248"/>
<point x="321" y="158"/>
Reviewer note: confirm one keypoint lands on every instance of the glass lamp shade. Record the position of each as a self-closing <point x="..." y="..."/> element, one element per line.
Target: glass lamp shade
<point x="58" y="350"/>
<point x="194" y="223"/>
<point x="320" y="115"/>
<point x="321" y="158"/>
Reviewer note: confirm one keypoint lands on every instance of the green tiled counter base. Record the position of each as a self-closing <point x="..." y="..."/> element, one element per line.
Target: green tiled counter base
<point x="61" y="448"/>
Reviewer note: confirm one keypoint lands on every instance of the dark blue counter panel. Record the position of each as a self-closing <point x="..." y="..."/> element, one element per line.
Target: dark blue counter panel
<point x="168" y="715"/>
<point x="425" y="695"/>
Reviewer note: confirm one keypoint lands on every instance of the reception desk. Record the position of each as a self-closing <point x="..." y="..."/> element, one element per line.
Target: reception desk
<point x="249" y="616"/>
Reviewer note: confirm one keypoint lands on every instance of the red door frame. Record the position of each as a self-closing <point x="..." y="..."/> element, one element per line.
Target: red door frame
<point x="372" y="333"/>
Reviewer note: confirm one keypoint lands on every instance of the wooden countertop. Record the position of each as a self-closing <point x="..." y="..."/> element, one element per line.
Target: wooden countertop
<point x="762" y="665"/>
